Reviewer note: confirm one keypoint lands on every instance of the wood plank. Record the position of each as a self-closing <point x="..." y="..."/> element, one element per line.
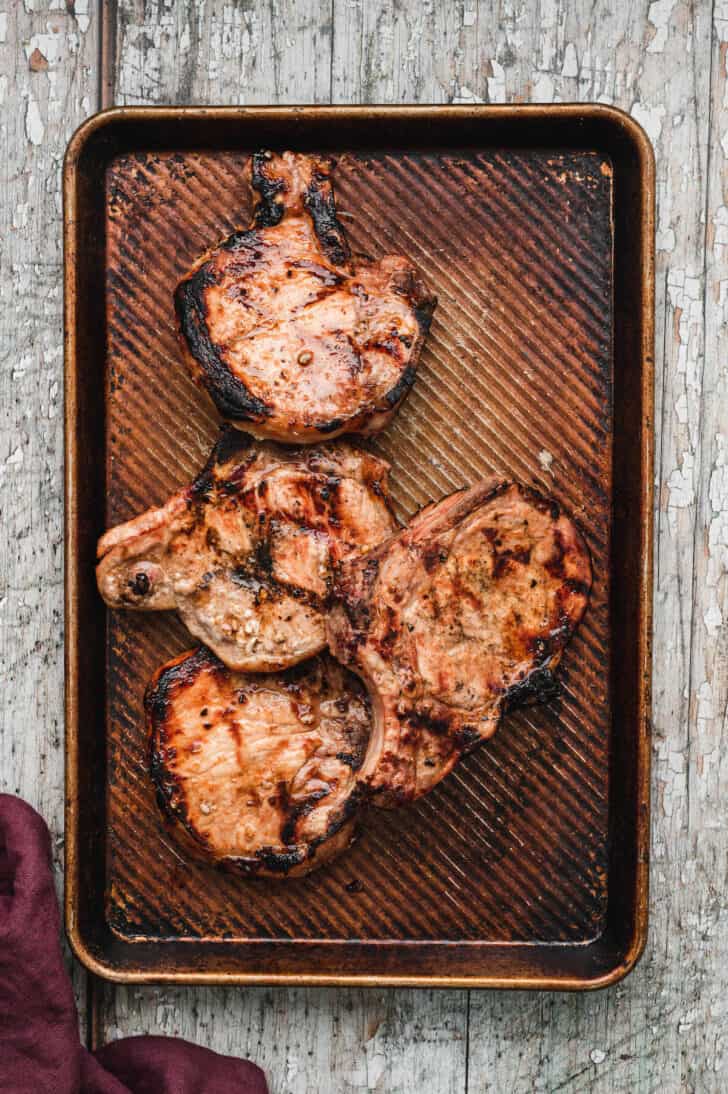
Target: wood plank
<point x="48" y="85"/>
<point x="313" y="1040"/>
<point x="354" y="1040"/>
<point x="221" y="52"/>
<point x="662" y="1028"/>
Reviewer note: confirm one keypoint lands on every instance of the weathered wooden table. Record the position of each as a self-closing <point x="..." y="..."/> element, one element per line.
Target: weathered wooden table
<point x="666" y="1027"/>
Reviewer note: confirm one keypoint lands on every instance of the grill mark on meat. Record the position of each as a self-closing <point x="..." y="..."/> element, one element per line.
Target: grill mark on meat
<point x="267" y="587"/>
<point x="351" y="760"/>
<point x="507" y="560"/>
<point x="432" y="554"/>
<point x="276" y="862"/>
<point x="466" y="738"/>
<point x="327" y="500"/>
<point x="329" y="278"/>
<point x="424" y="312"/>
<point x="334" y="426"/>
<point x="424" y="719"/>
<point x="288" y="831"/>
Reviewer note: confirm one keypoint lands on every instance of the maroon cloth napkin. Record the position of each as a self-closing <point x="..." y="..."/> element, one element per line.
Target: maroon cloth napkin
<point x="40" y="1050"/>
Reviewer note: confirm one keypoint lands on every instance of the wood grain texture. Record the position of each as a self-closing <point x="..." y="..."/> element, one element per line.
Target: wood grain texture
<point x="48" y="85"/>
<point x="162" y="51"/>
<point x="666" y="1028"/>
<point x="315" y="1041"/>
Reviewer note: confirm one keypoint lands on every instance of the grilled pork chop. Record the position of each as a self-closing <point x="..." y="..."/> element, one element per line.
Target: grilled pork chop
<point x="293" y="339"/>
<point x="245" y="554"/>
<point x="258" y="770"/>
<point x="449" y="622"/>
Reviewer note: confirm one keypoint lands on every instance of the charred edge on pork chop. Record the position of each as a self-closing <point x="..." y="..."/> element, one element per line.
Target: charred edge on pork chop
<point x="229" y="394"/>
<point x="318" y="201"/>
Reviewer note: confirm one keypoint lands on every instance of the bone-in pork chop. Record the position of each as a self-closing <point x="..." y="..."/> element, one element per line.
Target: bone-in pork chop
<point x="257" y="770"/>
<point x="246" y="553"/>
<point x="293" y="338"/>
<point x="464" y="613"/>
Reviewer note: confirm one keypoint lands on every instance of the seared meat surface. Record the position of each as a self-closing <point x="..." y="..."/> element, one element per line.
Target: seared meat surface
<point x="246" y="553"/>
<point x="258" y="770"/>
<point x="449" y="622"/>
<point x="293" y="338"/>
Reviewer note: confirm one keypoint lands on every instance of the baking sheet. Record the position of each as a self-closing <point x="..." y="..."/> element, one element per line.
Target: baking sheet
<point x="527" y="865"/>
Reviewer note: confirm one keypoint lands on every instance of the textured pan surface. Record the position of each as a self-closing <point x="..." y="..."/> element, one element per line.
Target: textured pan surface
<point x="516" y="378"/>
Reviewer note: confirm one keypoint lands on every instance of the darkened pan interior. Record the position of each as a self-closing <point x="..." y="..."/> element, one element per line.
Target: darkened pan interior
<point x="528" y="866"/>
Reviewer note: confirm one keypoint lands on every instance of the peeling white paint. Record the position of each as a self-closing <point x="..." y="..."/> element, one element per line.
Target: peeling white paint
<point x="3" y="26"/>
<point x="549" y="22"/>
<point x="20" y="215"/>
<point x="665" y="235"/>
<point x="681" y="483"/>
<point x="659" y="15"/>
<point x="15" y="459"/>
<point x="681" y="408"/>
<point x="665" y="239"/>
<point x="717" y="538"/>
<point x="81" y="12"/>
<point x="685" y="296"/>
<point x="497" y="84"/>
<point x="34" y="127"/>
<point x="50" y="45"/>
<point x="544" y="90"/>
<point x="650" y="118"/>
<point x="597" y="1056"/>
<point x="465" y="96"/>
<point x="713" y="619"/>
<point x="720" y="225"/>
<point x="570" y="66"/>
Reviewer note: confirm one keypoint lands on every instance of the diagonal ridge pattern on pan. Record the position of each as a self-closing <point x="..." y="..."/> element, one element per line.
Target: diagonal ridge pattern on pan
<point x="512" y="846"/>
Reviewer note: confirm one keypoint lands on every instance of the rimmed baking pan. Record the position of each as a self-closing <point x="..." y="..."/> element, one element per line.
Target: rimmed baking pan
<point x="528" y="866"/>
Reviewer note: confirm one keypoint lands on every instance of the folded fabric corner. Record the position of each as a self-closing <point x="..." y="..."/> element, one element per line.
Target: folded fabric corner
<point x="40" y="1048"/>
